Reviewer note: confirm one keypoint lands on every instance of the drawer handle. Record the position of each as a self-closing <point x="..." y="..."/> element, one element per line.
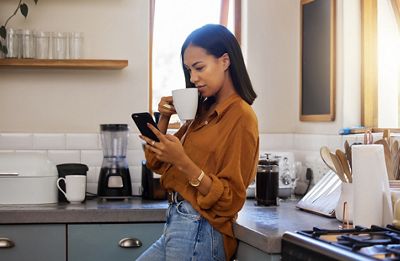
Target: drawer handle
<point x="9" y="174"/>
<point x="130" y="243"/>
<point x="6" y="243"/>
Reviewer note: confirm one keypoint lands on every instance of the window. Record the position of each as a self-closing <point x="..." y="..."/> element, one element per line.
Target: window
<point x="171" y="22"/>
<point x="388" y="67"/>
<point x="381" y="63"/>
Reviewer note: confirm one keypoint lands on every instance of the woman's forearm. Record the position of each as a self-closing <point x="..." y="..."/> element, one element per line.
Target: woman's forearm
<point x="192" y="171"/>
<point x="163" y="123"/>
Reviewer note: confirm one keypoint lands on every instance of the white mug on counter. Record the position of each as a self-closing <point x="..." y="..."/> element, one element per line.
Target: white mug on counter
<point x="75" y="188"/>
<point x="185" y="102"/>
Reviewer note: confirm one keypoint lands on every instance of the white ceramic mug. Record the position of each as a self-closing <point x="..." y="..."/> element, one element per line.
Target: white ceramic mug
<point x="75" y="186"/>
<point x="185" y="102"/>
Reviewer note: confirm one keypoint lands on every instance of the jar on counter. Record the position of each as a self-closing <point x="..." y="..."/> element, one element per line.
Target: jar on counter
<point x="60" y="45"/>
<point x="27" y="43"/>
<point x="76" y="45"/>
<point x="13" y="43"/>
<point x="267" y="185"/>
<point x="42" y="43"/>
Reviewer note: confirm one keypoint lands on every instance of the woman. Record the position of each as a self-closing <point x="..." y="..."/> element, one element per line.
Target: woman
<point x="209" y="163"/>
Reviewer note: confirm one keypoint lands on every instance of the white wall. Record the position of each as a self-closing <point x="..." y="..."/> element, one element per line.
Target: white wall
<point x="78" y="101"/>
<point x="272" y="50"/>
<point x="273" y="57"/>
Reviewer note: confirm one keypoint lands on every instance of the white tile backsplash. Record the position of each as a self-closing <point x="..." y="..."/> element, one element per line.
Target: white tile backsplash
<point x="313" y="142"/>
<point x="276" y="141"/>
<point x="134" y="142"/>
<point x="93" y="174"/>
<point x="136" y="174"/>
<point x="86" y="148"/>
<point x="43" y="152"/>
<point x="91" y="187"/>
<point x="64" y="156"/>
<point x="83" y="141"/>
<point x="92" y="157"/>
<point x="16" y="141"/>
<point x="47" y="141"/>
<point x="135" y="157"/>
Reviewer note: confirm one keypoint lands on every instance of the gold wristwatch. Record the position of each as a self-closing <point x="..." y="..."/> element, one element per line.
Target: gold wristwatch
<point x="196" y="182"/>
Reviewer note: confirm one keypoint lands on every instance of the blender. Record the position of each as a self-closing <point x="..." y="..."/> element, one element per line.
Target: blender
<point x="114" y="180"/>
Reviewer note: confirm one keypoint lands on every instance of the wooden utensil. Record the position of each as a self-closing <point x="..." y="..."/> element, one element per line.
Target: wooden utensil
<point x="386" y="135"/>
<point x="332" y="162"/>
<point x="345" y="165"/>
<point x="394" y="148"/>
<point x="396" y="162"/>
<point x="324" y="152"/>
<point x="338" y="167"/>
<point x="388" y="158"/>
<point x="347" y="149"/>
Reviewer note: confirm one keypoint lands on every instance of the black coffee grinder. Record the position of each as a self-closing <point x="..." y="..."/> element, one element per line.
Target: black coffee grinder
<point x="114" y="179"/>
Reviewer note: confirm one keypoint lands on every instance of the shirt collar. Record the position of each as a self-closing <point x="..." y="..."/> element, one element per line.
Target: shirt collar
<point x="223" y="106"/>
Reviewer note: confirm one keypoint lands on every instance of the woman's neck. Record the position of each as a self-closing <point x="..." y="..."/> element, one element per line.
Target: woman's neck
<point x="226" y="90"/>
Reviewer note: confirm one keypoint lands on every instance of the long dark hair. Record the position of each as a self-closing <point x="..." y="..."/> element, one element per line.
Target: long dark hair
<point x="216" y="40"/>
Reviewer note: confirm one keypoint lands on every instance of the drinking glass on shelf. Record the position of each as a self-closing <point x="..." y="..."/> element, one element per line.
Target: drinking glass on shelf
<point x="76" y="45"/>
<point x="42" y="42"/>
<point x="27" y="43"/>
<point x="59" y="45"/>
<point x="12" y="43"/>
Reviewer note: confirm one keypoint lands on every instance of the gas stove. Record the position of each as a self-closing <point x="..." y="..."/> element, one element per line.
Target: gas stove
<point x="359" y="243"/>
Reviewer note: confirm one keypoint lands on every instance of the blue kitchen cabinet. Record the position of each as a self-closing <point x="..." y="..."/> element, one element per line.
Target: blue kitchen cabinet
<point x="88" y="242"/>
<point x="33" y="242"/>
<point x="247" y="252"/>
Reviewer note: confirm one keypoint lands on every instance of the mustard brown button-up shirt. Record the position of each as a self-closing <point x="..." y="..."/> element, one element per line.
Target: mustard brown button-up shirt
<point x="225" y="146"/>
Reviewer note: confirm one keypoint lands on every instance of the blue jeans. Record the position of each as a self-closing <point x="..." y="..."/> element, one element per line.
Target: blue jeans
<point x="187" y="236"/>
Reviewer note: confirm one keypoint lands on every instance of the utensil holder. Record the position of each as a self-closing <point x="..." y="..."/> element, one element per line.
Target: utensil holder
<point x="346" y="195"/>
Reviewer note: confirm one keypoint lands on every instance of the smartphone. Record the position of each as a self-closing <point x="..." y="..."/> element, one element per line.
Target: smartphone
<point x="141" y="119"/>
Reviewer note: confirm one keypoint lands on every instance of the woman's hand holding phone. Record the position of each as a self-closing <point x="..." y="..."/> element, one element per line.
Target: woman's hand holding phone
<point x="169" y="148"/>
<point x="141" y="120"/>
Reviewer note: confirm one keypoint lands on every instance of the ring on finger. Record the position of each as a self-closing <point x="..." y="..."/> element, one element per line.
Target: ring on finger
<point x="153" y="142"/>
<point x="168" y="106"/>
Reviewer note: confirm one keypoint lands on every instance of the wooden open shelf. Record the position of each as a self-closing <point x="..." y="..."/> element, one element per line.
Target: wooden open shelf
<point x="63" y="64"/>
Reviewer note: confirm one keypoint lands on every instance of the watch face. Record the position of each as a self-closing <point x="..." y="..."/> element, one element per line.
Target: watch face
<point x="194" y="182"/>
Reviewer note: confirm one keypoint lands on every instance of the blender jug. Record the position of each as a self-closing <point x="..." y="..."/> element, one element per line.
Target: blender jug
<point x="114" y="179"/>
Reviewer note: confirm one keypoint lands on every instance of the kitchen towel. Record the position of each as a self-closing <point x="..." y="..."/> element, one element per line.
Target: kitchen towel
<point x="371" y="199"/>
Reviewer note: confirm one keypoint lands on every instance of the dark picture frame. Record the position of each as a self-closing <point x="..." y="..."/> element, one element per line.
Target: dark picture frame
<point x="318" y="60"/>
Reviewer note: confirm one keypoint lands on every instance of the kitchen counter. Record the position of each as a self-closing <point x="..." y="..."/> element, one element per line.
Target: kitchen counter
<point x="91" y="211"/>
<point x="263" y="227"/>
<point x="259" y="226"/>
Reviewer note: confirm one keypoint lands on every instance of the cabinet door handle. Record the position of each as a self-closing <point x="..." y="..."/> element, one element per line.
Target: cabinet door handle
<point x="6" y="243"/>
<point x="130" y="243"/>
